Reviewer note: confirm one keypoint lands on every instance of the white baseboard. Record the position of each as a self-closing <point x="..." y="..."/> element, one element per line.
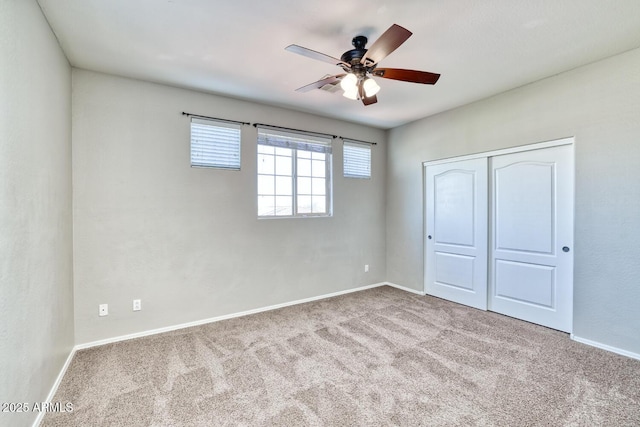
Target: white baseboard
<point x="63" y="371"/>
<point x="573" y="337"/>
<point x="77" y="347"/>
<point x="605" y="347"/>
<point x="226" y="316"/>
<point x="55" y="386"/>
<point x="404" y="288"/>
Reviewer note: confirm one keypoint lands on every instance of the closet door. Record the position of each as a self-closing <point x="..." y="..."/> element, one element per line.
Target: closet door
<point x="531" y="270"/>
<point x="456" y="227"/>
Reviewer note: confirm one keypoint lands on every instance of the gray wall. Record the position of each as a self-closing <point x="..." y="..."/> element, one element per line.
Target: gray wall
<point x="187" y="240"/>
<point x="599" y="104"/>
<point x="36" y="303"/>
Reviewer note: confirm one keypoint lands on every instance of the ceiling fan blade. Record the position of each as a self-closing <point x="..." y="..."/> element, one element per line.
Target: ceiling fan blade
<point x="320" y="83"/>
<point x="370" y="100"/>
<point x="389" y="41"/>
<point x="315" y="55"/>
<point x="412" y="76"/>
<point x="366" y="100"/>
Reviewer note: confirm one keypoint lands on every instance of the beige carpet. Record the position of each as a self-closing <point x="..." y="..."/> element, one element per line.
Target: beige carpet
<point x="380" y="357"/>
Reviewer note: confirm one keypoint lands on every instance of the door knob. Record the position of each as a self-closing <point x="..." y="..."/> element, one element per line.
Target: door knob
<point x="429" y="237"/>
<point x="565" y="249"/>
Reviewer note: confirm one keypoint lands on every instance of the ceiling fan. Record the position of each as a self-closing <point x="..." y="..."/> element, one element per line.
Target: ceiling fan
<point x="360" y="66"/>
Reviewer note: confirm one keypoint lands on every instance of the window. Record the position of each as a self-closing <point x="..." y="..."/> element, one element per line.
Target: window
<point x="357" y="160"/>
<point x="215" y="144"/>
<point x="294" y="175"/>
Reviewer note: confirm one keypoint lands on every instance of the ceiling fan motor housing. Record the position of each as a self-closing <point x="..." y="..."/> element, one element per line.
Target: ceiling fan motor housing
<point x="354" y="56"/>
<point x="359" y="42"/>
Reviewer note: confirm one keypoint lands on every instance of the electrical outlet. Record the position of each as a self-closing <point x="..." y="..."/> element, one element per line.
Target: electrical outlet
<point x="366" y="268"/>
<point x="137" y="305"/>
<point x="103" y="310"/>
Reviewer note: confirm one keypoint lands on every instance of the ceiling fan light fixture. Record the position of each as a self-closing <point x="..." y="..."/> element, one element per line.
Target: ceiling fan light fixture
<point x="349" y="83"/>
<point x="351" y="94"/>
<point x="370" y="87"/>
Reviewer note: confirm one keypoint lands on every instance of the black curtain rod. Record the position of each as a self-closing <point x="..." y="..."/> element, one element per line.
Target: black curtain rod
<point x="279" y="127"/>
<point x="294" y="130"/>
<point x="215" y="118"/>
<point x="312" y="133"/>
<point x="357" y="140"/>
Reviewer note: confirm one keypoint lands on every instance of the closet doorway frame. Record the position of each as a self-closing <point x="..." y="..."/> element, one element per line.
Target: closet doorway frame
<point x="487" y="155"/>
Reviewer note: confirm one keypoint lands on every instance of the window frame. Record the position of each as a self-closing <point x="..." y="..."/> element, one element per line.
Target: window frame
<point x="295" y="148"/>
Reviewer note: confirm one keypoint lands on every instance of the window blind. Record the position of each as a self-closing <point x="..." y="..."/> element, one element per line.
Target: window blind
<point x="357" y="160"/>
<point x="215" y="144"/>
<point x="298" y="141"/>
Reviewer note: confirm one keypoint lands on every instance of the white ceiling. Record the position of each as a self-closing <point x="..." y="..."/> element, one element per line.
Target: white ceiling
<point x="236" y="48"/>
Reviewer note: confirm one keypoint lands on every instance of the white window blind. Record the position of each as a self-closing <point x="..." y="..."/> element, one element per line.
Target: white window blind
<point x="357" y="160"/>
<point x="215" y="144"/>
<point x="294" y="140"/>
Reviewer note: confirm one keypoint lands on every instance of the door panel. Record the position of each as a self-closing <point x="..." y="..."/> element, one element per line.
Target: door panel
<point x="456" y="225"/>
<point x="535" y="284"/>
<point x="453" y="213"/>
<point x="531" y="277"/>
<point x="454" y="270"/>
<point x="523" y="215"/>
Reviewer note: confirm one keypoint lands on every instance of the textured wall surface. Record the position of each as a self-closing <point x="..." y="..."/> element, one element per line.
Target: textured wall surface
<point x="187" y="241"/>
<point x="36" y="304"/>
<point x="599" y="105"/>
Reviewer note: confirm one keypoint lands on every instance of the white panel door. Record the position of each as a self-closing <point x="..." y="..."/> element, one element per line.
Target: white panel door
<point x="456" y="227"/>
<point x="531" y="270"/>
